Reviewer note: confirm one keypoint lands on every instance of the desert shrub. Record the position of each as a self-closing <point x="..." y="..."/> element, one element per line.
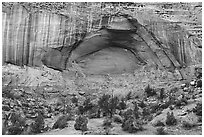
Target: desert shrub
<point x="154" y="107"/>
<point x="38" y="125"/>
<point x="161" y="131"/>
<point x="81" y="123"/>
<point x="198" y="109"/>
<point x="136" y="111"/>
<point x="112" y="105"/>
<point x="108" y="104"/>
<point x="186" y="125"/>
<point x="146" y="112"/>
<point x="158" y="113"/>
<point x="69" y="110"/>
<point x="174" y="90"/>
<point x="81" y="110"/>
<point x="128" y="96"/>
<point x="199" y="119"/>
<point x="74" y="100"/>
<point x="142" y="104"/>
<point x="117" y="119"/>
<point x="199" y="83"/>
<point x="181" y="102"/>
<point x="159" y="123"/>
<point x="61" y="122"/>
<point x="107" y="122"/>
<point x="170" y="119"/>
<point x="149" y="91"/>
<point x="165" y="105"/>
<point x="6" y="92"/>
<point x="86" y="106"/>
<point x="15" y="123"/>
<point x="198" y="72"/>
<point x="14" y="130"/>
<point x="122" y="105"/>
<point x="103" y="102"/>
<point x="94" y="112"/>
<point x="161" y="94"/>
<point x="171" y="100"/>
<point x="131" y="126"/>
<point x="127" y="114"/>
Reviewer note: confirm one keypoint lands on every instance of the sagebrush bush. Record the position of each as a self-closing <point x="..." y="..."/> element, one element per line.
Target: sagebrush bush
<point x="136" y="111"/>
<point x="122" y="105"/>
<point x="161" y="94"/>
<point x="161" y="131"/>
<point x="75" y="100"/>
<point x="117" y="119"/>
<point x="159" y="123"/>
<point x="103" y="101"/>
<point x="186" y="125"/>
<point x="38" y="125"/>
<point x="81" y="123"/>
<point x="86" y="106"/>
<point x="170" y="119"/>
<point x="129" y="95"/>
<point x="142" y="104"/>
<point x="131" y="126"/>
<point x="127" y="114"/>
<point x="154" y="107"/>
<point x="62" y="122"/>
<point x="108" y="104"/>
<point x="149" y="91"/>
<point x="146" y="112"/>
<point x="14" y="123"/>
<point x="198" y="109"/>
<point x="107" y="122"/>
<point x="199" y="83"/>
<point x="112" y="105"/>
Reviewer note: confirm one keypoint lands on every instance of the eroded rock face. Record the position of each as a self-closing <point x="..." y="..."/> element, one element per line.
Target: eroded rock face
<point x="128" y="43"/>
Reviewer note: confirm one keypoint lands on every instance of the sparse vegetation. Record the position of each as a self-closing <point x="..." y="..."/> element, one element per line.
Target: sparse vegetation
<point x="186" y="125"/>
<point x="37" y="100"/>
<point x="198" y="109"/>
<point x="127" y="114"/>
<point x="136" y="111"/>
<point x="142" y="104"/>
<point x="132" y="115"/>
<point x="14" y="124"/>
<point x="161" y="131"/>
<point x="108" y="104"/>
<point x="38" y="125"/>
<point x="170" y="119"/>
<point x="131" y="125"/>
<point x="117" y="118"/>
<point x="61" y="122"/>
<point x="161" y="94"/>
<point x="149" y="91"/>
<point x="107" y="122"/>
<point x="81" y="123"/>
<point x="86" y="106"/>
<point x="128" y="96"/>
<point x="159" y="123"/>
<point x="122" y="104"/>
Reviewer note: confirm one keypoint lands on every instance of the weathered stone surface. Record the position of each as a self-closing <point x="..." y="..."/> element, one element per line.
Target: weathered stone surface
<point x="148" y="40"/>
